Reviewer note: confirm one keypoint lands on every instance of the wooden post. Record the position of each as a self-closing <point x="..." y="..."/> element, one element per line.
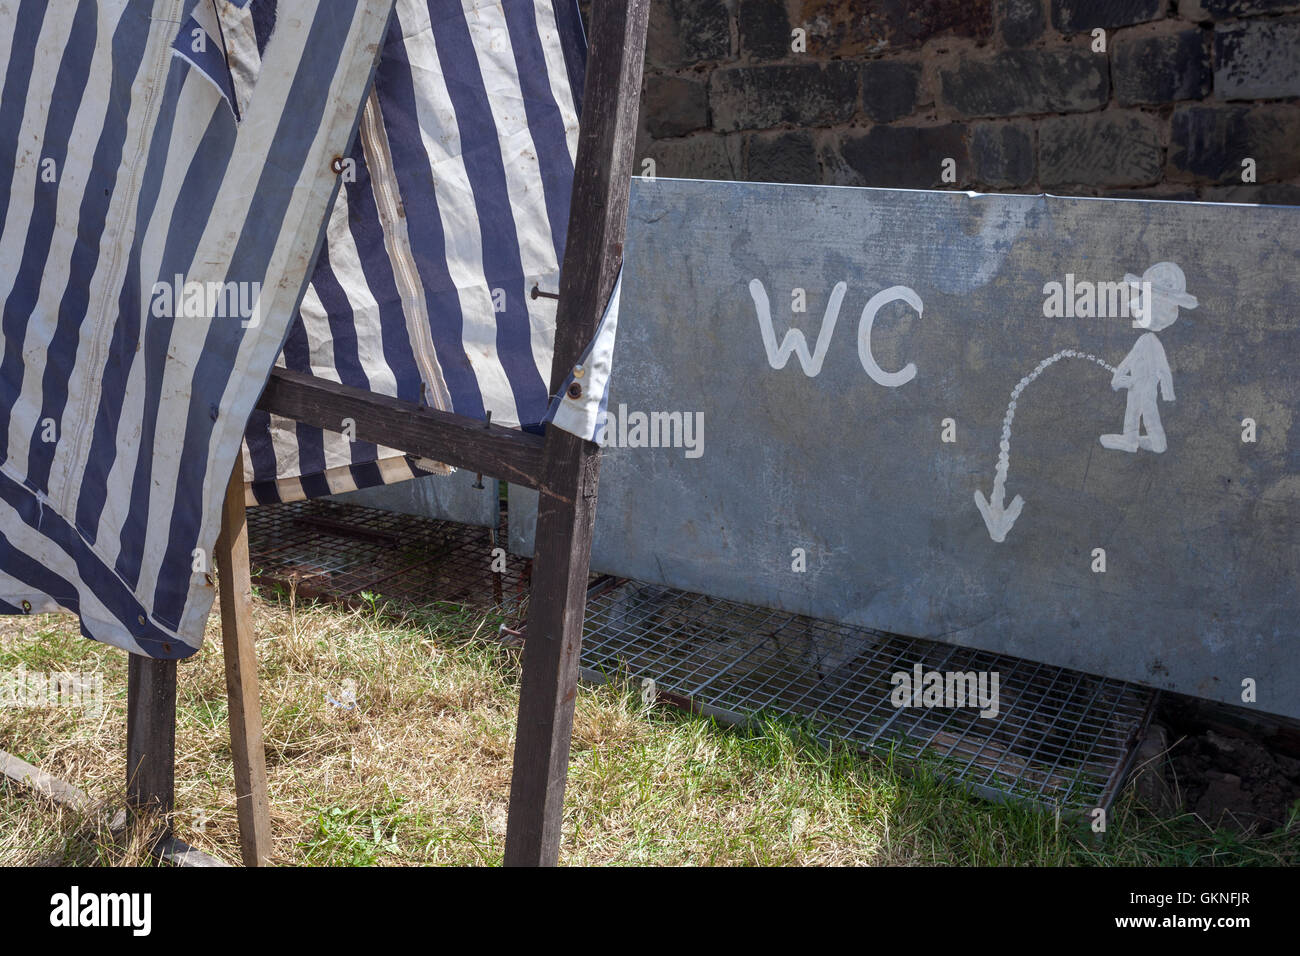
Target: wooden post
<point x="151" y="738"/>
<point x="246" y="746"/>
<point x="570" y="465"/>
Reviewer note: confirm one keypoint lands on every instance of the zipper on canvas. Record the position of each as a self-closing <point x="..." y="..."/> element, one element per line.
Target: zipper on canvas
<point x="379" y="161"/>
<point x="117" y="267"/>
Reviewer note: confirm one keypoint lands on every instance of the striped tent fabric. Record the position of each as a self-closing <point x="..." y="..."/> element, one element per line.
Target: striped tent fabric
<point x="158" y="222"/>
<point x="448" y="229"/>
<point x="224" y="41"/>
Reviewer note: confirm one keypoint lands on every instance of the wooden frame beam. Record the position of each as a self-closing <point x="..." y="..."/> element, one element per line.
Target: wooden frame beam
<point x="151" y="738"/>
<point x="566" y="506"/>
<point x="235" y="591"/>
<point x="442" y="436"/>
<point x="50" y="787"/>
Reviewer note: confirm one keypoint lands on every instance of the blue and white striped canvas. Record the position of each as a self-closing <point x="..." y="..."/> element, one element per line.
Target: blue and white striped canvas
<point x="155" y="241"/>
<point x="176" y="222"/>
<point x="427" y="287"/>
<point x="224" y="40"/>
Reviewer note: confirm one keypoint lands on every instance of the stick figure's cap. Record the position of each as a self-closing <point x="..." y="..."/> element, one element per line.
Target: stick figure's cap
<point x="1167" y="282"/>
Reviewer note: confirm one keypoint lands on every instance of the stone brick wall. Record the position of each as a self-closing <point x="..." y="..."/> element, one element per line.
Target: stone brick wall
<point x="1166" y="100"/>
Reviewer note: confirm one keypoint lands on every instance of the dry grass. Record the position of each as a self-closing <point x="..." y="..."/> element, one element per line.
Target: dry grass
<point x="418" y="771"/>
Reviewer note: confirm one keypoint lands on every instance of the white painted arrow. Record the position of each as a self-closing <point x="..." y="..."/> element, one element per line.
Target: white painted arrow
<point x="998" y="516"/>
<point x="998" y="519"/>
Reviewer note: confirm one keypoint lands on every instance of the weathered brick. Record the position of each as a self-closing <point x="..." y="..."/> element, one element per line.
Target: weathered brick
<point x="685" y="32"/>
<point x="758" y="97"/>
<point x="889" y="89"/>
<point x="674" y="106"/>
<point x="1019" y="21"/>
<point x="1257" y="60"/>
<point x="916" y="21"/>
<point x="702" y="156"/>
<point x="1074" y="16"/>
<point x="1160" y="68"/>
<point x="853" y="28"/>
<point x="764" y="28"/>
<point x="907" y="157"/>
<point x="1002" y="154"/>
<point x="782" y="158"/>
<point x="1210" y="142"/>
<point x="1222" y="9"/>
<point x="1100" y="149"/>
<point x="1026" y="81"/>
<point x="838" y="28"/>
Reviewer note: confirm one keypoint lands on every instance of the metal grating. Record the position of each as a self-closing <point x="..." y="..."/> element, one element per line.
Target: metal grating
<point x="339" y="552"/>
<point x="1061" y="738"/>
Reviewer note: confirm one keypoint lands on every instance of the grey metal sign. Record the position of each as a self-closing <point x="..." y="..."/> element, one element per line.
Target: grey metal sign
<point x="1064" y="429"/>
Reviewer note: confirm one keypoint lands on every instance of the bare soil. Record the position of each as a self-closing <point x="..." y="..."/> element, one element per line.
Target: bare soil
<point x="1233" y="776"/>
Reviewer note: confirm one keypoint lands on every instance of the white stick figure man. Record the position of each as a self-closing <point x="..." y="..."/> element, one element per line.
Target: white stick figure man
<point x="1157" y="297"/>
